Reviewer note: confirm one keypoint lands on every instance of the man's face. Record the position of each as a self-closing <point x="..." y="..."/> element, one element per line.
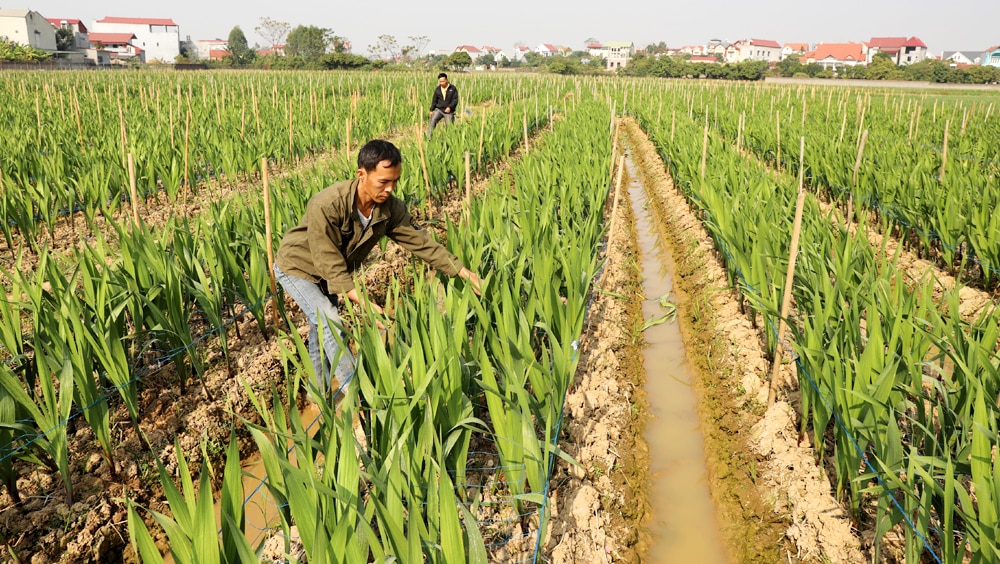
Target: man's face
<point x="378" y="184"/>
<point x="443" y="82"/>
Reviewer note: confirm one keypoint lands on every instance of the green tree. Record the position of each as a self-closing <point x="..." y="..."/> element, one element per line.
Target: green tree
<point x="65" y="39"/>
<point x="459" y="60"/>
<point x="789" y="66"/>
<point x="881" y="67"/>
<point x="487" y="60"/>
<point x="240" y="52"/>
<point x="344" y="61"/>
<point x="656" y="48"/>
<point x="309" y="42"/>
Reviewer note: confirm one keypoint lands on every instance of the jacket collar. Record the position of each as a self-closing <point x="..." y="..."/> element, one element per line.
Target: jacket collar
<point x="380" y="212"/>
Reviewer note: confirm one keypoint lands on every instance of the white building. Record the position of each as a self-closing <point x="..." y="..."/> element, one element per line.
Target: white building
<point x="797" y="49"/>
<point x="119" y="46"/>
<point x="206" y="46"/>
<point x="901" y="50"/>
<point x="755" y="50"/>
<point x="963" y="57"/>
<point x="159" y="38"/>
<point x="79" y="31"/>
<point x="617" y="54"/>
<point x="27" y="27"/>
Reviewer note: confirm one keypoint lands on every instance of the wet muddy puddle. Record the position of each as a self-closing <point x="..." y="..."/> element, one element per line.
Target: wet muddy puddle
<point x="684" y="525"/>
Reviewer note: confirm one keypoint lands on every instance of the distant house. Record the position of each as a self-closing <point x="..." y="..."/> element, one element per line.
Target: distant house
<point x="277" y="50"/>
<point x="594" y="50"/>
<point x="716" y="47"/>
<point x="121" y="46"/>
<point x="547" y="49"/>
<point x="27" y="27"/>
<point x="832" y="56"/>
<point x="159" y="38"/>
<point x="693" y="50"/>
<point x="617" y="54"/>
<point x="901" y="50"/>
<point x="991" y="57"/>
<point x="757" y="50"/>
<point x="966" y="58"/>
<point x="76" y="26"/>
<point x="473" y="51"/>
<point x="206" y="46"/>
<point x="789" y="49"/>
<point x="495" y="52"/>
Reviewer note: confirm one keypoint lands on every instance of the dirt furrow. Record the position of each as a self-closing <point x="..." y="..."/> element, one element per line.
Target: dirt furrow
<point x="762" y="474"/>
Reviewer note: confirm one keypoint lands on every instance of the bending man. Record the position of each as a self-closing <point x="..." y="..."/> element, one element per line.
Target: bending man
<point x="342" y="224"/>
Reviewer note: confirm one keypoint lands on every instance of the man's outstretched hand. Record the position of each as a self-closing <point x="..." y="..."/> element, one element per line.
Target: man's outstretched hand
<point x="353" y="295"/>
<point x="473" y="279"/>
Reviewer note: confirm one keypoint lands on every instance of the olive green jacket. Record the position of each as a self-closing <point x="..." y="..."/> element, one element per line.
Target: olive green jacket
<point x="329" y="244"/>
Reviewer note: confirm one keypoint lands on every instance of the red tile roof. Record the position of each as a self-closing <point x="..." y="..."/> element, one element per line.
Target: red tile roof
<point x="58" y="22"/>
<point x="699" y="59"/>
<point x="802" y="47"/>
<point x="846" y="52"/>
<point x="764" y="43"/>
<point x="491" y="49"/>
<point x="993" y="48"/>
<point x="887" y="42"/>
<point x="468" y="49"/>
<point x="217" y="54"/>
<point x="137" y="21"/>
<point x="111" y="38"/>
<point x="594" y="46"/>
<point x="914" y="42"/>
<point x="550" y="47"/>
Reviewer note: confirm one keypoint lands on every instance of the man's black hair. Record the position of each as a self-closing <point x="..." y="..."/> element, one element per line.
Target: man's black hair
<point x="376" y="151"/>
<point x="443" y="75"/>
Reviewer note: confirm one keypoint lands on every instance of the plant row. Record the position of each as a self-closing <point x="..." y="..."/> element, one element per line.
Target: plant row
<point x="902" y="389"/>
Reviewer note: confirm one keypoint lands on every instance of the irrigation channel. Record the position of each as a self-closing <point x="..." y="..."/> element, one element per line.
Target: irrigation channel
<point x="684" y="525"/>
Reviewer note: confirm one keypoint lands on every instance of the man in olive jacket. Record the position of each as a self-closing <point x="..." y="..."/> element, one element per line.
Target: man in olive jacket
<point x="443" y="103"/>
<point x="342" y="224"/>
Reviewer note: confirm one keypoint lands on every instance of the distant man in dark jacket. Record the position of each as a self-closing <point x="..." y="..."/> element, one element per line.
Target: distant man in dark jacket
<point x="342" y="224"/>
<point x="443" y="103"/>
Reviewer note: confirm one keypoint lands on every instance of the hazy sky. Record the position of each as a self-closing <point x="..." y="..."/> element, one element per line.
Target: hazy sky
<point x="955" y="25"/>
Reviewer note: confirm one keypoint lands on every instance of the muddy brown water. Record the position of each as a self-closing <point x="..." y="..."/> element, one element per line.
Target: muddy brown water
<point x="259" y="509"/>
<point x="684" y="525"/>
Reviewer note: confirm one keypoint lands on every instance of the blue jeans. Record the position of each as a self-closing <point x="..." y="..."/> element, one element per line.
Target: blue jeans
<point x="318" y="307"/>
<point x="438" y="116"/>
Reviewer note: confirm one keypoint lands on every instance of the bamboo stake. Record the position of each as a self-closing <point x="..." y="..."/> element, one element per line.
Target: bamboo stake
<point x="704" y="149"/>
<point x="525" y="123"/>
<point x="267" y="238"/>
<point x="739" y="132"/>
<point x="347" y="132"/>
<point x="132" y="190"/>
<point x="965" y="118"/>
<point x="857" y="162"/>
<point x="777" y="132"/>
<point x="423" y="163"/>
<point x="944" y="150"/>
<point x="187" y="144"/>
<point x="482" y="136"/>
<point x="786" y="300"/>
<point x="468" y="178"/>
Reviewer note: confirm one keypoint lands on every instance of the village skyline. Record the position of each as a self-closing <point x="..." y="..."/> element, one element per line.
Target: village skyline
<point x="642" y="22"/>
